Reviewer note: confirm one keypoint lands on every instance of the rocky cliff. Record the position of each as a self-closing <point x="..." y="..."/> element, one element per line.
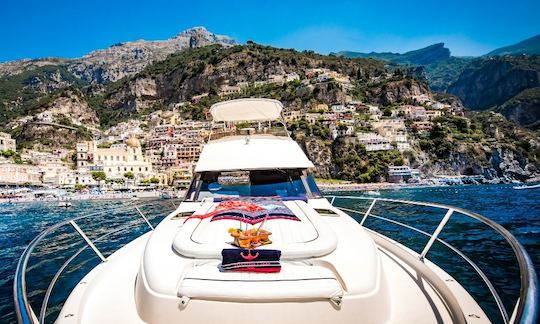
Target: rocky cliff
<point x="393" y="92"/>
<point x="524" y="108"/>
<point x="129" y="58"/>
<point x="490" y="82"/>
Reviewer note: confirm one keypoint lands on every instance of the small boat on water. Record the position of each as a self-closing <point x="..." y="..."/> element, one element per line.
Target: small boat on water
<point x="64" y="204"/>
<point x="536" y="186"/>
<point x="373" y="193"/>
<point x="164" y="195"/>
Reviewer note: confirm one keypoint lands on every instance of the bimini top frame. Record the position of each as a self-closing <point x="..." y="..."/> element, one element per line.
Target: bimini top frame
<point x="247" y="109"/>
<point x="251" y="110"/>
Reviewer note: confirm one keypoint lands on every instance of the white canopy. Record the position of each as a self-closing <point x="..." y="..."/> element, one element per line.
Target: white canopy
<point x="259" y="153"/>
<point x="248" y="109"/>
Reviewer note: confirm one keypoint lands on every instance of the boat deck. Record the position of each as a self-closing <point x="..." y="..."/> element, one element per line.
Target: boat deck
<point x="110" y="287"/>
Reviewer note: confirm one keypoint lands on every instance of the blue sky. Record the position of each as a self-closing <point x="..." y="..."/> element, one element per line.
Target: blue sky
<point x="31" y="29"/>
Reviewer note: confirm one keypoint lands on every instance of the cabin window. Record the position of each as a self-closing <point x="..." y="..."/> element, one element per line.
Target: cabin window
<point x="254" y="183"/>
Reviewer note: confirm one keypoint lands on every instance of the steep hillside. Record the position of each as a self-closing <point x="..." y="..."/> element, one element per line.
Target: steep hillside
<point x="490" y="82"/>
<point x="523" y="108"/>
<point x="443" y="73"/>
<point x="530" y="46"/>
<point x="205" y="70"/>
<point x="25" y="85"/>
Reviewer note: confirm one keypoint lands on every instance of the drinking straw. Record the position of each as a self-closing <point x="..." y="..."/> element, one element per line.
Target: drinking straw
<point x="264" y="220"/>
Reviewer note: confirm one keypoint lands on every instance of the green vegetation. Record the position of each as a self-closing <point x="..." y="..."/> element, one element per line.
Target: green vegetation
<point x="80" y="187"/>
<point x="303" y="126"/>
<point x="99" y="176"/>
<point x="356" y="164"/>
<point x="129" y="175"/>
<point x="523" y="108"/>
<point x="104" y="145"/>
<point x="14" y="155"/>
<point x="20" y="94"/>
<point x="152" y="180"/>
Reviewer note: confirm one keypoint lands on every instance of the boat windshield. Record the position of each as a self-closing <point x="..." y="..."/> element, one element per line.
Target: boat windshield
<point x="254" y="183"/>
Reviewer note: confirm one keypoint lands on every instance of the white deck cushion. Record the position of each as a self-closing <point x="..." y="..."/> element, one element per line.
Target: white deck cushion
<point x="310" y="237"/>
<point x="294" y="282"/>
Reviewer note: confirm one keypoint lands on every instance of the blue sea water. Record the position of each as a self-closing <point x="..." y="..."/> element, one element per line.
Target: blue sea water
<point x="516" y="210"/>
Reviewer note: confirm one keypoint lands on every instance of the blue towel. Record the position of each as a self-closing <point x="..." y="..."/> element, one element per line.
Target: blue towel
<point x="251" y="260"/>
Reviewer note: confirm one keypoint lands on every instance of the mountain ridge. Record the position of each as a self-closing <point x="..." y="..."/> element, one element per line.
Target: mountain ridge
<point x="529" y="46"/>
<point x="121" y="59"/>
<point x="425" y="55"/>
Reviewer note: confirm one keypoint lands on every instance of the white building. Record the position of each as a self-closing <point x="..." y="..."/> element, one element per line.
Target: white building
<point x="226" y="90"/>
<point x="374" y="142"/>
<point x="116" y="160"/>
<point x="439" y="105"/>
<point x="389" y="127"/>
<point x="374" y="112"/>
<point x="339" y="109"/>
<point x="432" y="114"/>
<point x="340" y="131"/>
<point x="292" y="77"/>
<point x="402" y="144"/>
<point x="402" y="173"/>
<point x="7" y="143"/>
<point x="19" y="174"/>
<point x="46" y="117"/>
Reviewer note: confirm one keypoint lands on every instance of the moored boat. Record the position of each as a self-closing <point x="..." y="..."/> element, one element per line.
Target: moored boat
<point x="536" y="186"/>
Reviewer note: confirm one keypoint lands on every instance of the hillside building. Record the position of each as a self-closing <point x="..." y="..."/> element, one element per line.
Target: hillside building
<point x="373" y="142"/>
<point x="115" y="160"/>
<point x="403" y="174"/>
<point x="19" y="174"/>
<point x="7" y="143"/>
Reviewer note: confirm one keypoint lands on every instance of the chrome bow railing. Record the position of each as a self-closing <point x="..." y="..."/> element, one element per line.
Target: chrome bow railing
<point x="136" y="219"/>
<point x="525" y="308"/>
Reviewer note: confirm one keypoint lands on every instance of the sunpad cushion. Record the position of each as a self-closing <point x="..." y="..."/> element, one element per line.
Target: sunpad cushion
<point x="294" y="282"/>
<point x="311" y="237"/>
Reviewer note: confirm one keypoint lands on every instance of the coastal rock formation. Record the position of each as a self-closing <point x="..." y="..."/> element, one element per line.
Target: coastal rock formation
<point x="73" y="106"/>
<point x="55" y="106"/>
<point x="490" y="162"/>
<point x="507" y="163"/>
<point x="51" y="136"/>
<point x="64" y="120"/>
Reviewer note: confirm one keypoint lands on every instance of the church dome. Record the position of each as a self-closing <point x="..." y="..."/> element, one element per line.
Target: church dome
<point x="133" y="142"/>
